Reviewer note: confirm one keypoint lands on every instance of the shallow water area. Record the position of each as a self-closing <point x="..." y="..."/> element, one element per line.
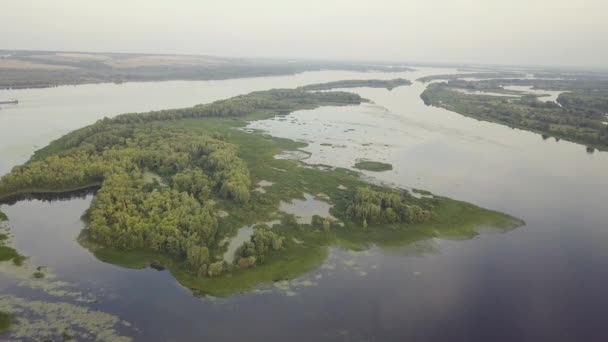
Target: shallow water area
<point x="305" y="209"/>
<point x="243" y="234"/>
<point x="544" y="95"/>
<point x="481" y="92"/>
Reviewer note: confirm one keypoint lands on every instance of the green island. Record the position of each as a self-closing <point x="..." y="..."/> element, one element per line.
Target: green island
<point x="388" y="84"/>
<point x="174" y="186"/>
<point x="484" y="75"/>
<point x="375" y="166"/>
<point x="579" y="114"/>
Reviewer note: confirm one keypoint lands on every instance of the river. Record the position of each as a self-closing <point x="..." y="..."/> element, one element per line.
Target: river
<point x="543" y="281"/>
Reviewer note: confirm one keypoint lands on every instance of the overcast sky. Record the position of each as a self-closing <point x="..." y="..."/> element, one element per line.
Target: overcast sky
<point x="531" y="32"/>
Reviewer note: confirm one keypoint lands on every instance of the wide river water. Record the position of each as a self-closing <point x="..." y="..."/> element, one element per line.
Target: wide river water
<point x="545" y="281"/>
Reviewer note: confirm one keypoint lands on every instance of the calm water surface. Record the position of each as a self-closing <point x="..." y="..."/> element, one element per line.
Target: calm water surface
<point x="544" y="281"/>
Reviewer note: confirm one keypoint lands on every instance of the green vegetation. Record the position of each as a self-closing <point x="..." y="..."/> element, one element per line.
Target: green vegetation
<point x="481" y="75"/>
<point x="370" y="206"/>
<point x="57" y="320"/>
<point x="263" y="241"/>
<point x="204" y="167"/>
<point x="373" y="166"/>
<point x="8" y="253"/>
<point x="388" y="84"/>
<point x="578" y="116"/>
<point x="6" y="320"/>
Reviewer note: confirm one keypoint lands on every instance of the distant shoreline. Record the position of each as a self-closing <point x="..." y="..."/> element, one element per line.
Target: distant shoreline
<point x="46" y="69"/>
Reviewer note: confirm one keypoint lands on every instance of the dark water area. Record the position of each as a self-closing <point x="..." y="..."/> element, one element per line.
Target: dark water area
<point x="545" y="281"/>
<point x="50" y="196"/>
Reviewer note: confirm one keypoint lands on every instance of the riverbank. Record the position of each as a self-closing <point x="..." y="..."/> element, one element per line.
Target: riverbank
<point x="578" y="115"/>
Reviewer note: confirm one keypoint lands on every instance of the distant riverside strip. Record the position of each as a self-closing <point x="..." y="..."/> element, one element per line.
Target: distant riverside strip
<point x="580" y="113"/>
<point x="37" y="69"/>
<point x="388" y="84"/>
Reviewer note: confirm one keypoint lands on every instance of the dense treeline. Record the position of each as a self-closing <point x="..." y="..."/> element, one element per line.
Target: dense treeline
<point x="165" y="152"/>
<point x="276" y="101"/>
<point x="263" y="241"/>
<point x="481" y="75"/>
<point x="579" y="114"/>
<point x="56" y="173"/>
<point x="594" y="102"/>
<point x="130" y="212"/>
<point x="126" y="216"/>
<point x="369" y="206"/>
<point x="388" y="84"/>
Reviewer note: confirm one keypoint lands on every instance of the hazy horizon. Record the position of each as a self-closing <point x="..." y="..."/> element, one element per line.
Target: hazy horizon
<point x="533" y="33"/>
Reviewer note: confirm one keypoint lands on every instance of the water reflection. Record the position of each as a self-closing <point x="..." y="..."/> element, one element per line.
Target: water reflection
<point x="304" y="210"/>
<point x="51" y="196"/>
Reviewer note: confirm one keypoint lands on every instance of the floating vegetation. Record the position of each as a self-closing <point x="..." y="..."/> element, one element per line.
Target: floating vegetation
<point x="7" y="253"/>
<point x="40" y="321"/>
<point x="374" y="166"/>
<point x="293" y="155"/>
<point x="6" y="320"/>
<point x="38" y="277"/>
<point x="10" y="254"/>
<point x="289" y="288"/>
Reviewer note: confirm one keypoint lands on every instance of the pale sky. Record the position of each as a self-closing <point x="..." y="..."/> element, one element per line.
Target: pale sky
<point x="530" y="32"/>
